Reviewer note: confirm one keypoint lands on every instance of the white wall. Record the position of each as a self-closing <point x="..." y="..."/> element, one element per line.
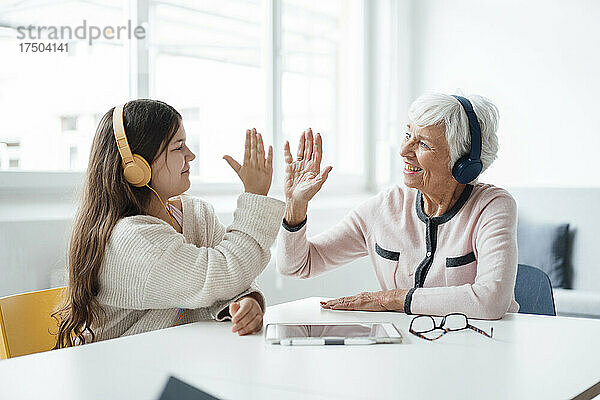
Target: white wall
<point x="539" y="61"/>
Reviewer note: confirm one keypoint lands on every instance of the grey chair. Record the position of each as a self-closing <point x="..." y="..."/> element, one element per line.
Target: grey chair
<point x="533" y="291"/>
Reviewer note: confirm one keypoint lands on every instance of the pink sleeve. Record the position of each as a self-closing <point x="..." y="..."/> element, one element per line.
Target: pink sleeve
<point x="491" y="295"/>
<point x="344" y="242"/>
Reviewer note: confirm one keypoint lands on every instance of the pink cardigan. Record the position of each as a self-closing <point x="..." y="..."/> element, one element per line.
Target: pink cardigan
<point x="462" y="261"/>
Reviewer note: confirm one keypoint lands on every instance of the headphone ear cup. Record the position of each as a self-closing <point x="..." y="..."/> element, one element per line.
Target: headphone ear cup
<point x="466" y="170"/>
<point x="139" y="172"/>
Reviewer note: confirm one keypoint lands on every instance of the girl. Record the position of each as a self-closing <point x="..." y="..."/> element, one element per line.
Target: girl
<point x="136" y="264"/>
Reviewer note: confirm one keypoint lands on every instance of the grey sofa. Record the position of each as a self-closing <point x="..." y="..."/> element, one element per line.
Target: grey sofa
<point x="558" y="231"/>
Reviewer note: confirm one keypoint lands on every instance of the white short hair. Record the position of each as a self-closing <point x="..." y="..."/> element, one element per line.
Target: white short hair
<point x="444" y="110"/>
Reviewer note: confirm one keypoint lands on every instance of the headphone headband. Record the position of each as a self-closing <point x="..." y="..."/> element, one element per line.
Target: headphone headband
<point x="119" y="130"/>
<point x="468" y="167"/>
<point x="474" y="127"/>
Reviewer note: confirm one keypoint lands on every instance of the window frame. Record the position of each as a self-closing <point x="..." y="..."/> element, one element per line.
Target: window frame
<point x="42" y="182"/>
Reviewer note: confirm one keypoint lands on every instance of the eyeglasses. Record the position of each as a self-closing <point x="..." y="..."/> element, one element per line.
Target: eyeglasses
<point x="422" y="324"/>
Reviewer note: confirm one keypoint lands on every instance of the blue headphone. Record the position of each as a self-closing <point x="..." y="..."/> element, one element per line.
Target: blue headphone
<point x="468" y="167"/>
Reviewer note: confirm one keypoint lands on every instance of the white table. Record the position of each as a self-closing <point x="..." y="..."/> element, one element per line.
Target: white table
<point x="530" y="357"/>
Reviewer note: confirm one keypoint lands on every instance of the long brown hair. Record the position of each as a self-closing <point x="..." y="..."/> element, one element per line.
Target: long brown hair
<point x="106" y="197"/>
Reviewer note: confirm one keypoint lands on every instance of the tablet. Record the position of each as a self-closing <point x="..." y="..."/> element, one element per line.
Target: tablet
<point x="332" y="333"/>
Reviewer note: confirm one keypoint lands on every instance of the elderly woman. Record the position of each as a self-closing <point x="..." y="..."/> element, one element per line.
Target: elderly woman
<point x="440" y="243"/>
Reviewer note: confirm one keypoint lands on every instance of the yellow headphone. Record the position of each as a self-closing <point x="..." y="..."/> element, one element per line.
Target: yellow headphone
<point x="136" y="169"/>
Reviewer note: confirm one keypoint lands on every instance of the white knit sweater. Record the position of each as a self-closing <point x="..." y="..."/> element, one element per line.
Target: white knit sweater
<point x="150" y="272"/>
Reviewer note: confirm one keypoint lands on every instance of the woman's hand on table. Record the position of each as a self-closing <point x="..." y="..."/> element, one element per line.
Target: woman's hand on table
<point x="247" y="316"/>
<point x="386" y="300"/>
<point x="303" y="175"/>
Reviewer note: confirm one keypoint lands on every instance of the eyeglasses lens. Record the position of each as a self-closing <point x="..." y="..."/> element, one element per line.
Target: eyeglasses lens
<point x="455" y="322"/>
<point x="423" y="323"/>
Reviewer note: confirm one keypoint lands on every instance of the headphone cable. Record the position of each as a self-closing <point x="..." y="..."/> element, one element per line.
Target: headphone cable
<point x="163" y="204"/>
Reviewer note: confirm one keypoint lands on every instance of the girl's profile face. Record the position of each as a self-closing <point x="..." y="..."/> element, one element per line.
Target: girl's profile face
<point x="171" y="170"/>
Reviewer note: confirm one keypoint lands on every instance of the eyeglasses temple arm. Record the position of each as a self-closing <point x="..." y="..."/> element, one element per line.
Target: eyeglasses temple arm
<point x="490" y="335"/>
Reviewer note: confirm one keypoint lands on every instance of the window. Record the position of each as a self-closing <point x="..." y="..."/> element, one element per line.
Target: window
<point x="280" y="66"/>
<point x="321" y="58"/>
<point x="207" y="58"/>
<point x="68" y="123"/>
<point x="73" y="157"/>
<point x="51" y="97"/>
<point x="10" y="154"/>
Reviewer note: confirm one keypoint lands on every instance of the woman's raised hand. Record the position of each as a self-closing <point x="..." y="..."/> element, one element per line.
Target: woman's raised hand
<point x="303" y="176"/>
<point x="257" y="171"/>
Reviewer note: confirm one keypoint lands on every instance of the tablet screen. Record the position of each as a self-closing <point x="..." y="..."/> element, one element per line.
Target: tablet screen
<point x="276" y="332"/>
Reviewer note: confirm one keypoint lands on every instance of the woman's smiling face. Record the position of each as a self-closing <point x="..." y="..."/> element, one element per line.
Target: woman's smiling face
<point x="426" y="158"/>
<point x="171" y="170"/>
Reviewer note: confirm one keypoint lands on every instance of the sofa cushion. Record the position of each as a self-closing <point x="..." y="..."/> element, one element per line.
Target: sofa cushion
<point x="577" y="303"/>
<point x="545" y="246"/>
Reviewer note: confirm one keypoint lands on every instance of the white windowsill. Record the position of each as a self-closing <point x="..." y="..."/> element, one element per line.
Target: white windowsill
<point x="35" y="180"/>
<point x="37" y="195"/>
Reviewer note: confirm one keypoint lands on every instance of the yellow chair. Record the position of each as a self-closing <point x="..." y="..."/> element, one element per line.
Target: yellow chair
<point x="26" y="324"/>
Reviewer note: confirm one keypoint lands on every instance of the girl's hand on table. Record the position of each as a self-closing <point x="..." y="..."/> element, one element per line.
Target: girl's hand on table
<point x="247" y="316"/>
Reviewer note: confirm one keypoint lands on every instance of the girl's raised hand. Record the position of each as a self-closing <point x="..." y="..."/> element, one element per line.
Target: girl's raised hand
<point x="257" y="171"/>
